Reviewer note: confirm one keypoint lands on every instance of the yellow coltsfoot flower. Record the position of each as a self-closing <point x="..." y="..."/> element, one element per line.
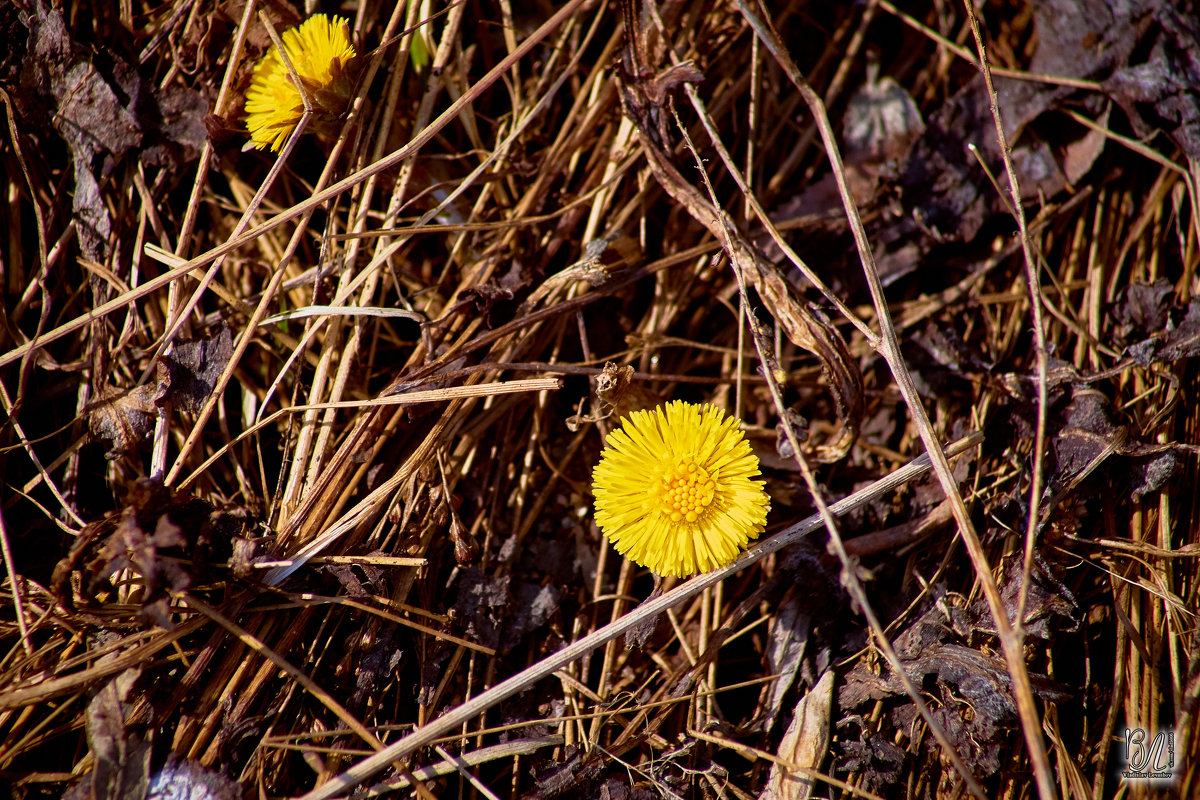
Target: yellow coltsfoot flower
<point x="674" y="489"/>
<point x="320" y="52"/>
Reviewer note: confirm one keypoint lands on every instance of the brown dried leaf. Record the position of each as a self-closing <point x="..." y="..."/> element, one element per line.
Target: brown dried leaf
<point x="188" y="373"/>
<point x="111" y="111"/>
<point x="132" y="547"/>
<point x="805" y="744"/>
<point x="1050" y="607"/>
<point x="880" y="124"/>
<point x="121" y="746"/>
<point x="789" y="632"/>
<point x="1173" y="343"/>
<point x="637" y="636"/>
<point x="973" y="688"/>
<point x="349" y="580"/>
<point x="943" y="183"/>
<point x="242" y="561"/>
<point x="808" y="327"/>
<point x="616" y="394"/>
<point x="879" y="127"/>
<point x="965" y="678"/>
<point x="123" y="418"/>
<point x="1142" y="308"/>
<point x="1160" y="93"/>
<point x="1082" y="153"/>
<point x="876" y="763"/>
<point x="87" y="113"/>
<point x="659" y="87"/>
<point x="480" y="605"/>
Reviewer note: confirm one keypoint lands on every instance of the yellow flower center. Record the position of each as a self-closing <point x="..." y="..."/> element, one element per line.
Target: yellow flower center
<point x="684" y="491"/>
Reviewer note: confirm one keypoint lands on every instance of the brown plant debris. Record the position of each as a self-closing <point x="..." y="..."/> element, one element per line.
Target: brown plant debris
<point x="297" y="447"/>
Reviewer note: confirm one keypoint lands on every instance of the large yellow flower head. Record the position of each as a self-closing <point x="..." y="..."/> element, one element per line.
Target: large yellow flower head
<point x="320" y="51"/>
<point x="674" y="491"/>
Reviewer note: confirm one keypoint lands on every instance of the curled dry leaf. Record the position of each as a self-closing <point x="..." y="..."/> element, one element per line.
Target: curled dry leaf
<point x="1162" y="89"/>
<point x="807" y="327"/>
<point x="615" y="394"/>
<point x="881" y="123"/>
<point x="120" y="742"/>
<point x="804" y="325"/>
<point x="1177" y="340"/>
<point x="805" y="744"/>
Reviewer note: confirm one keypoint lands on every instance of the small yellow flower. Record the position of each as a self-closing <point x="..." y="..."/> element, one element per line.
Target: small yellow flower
<point x="320" y="51"/>
<point x="674" y="491"/>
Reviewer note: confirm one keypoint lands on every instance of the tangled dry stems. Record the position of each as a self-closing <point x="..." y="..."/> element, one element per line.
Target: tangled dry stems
<point x="397" y="506"/>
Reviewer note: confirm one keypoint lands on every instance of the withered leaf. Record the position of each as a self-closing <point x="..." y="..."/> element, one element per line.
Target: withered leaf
<point x="789" y="634"/>
<point x="669" y="79"/>
<point x="242" y="561"/>
<point x="1081" y="154"/>
<point x="1087" y="435"/>
<point x="1084" y="436"/>
<point x="798" y="425"/>
<point x="484" y="300"/>
<point x="119" y="744"/>
<point x="1050" y="607"/>
<point x="494" y="301"/>
<point x="1150" y="473"/>
<point x="534" y="605"/>
<point x="1179" y="341"/>
<point x="498" y="612"/>
<point x="622" y="789"/>
<point x="1160" y="93"/>
<point x="466" y="550"/>
<point x="101" y="105"/>
<point x="132" y="547"/>
<point x="943" y="183"/>
<point x="554" y="778"/>
<point x="480" y="604"/>
<point x="879" y="127"/>
<point x="805" y="325"/>
<point x="88" y="115"/>
<point x="615" y="394"/>
<point x="965" y="679"/>
<point x="349" y="581"/>
<point x="881" y="122"/>
<point x="1142" y="308"/>
<point x="874" y="760"/>
<point x="618" y="395"/>
<point x="805" y="743"/>
<point x="930" y="646"/>
<point x="123" y="418"/>
<point x="641" y="633"/>
<point x="188" y="373"/>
